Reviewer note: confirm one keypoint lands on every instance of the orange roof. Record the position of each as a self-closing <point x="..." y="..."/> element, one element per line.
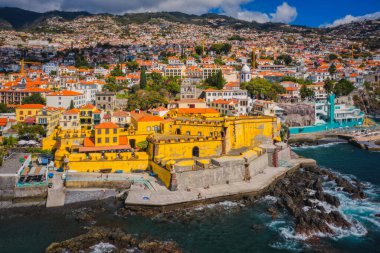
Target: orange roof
<point x="65" y="93"/>
<point x="150" y="118"/>
<point x="196" y="110"/>
<point x="120" y="114"/>
<point x="223" y="101"/>
<point x="291" y="88"/>
<point x="31" y="106"/>
<point x="3" y="121"/>
<point x="88" y="106"/>
<point x="106" y="125"/>
<point x="72" y="111"/>
<point x="88" y="142"/>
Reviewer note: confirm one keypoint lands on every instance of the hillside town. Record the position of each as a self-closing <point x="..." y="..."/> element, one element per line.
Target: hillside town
<point x="172" y="99"/>
<point x="189" y="126"/>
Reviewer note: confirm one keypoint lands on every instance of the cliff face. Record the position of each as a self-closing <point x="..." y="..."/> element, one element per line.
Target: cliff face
<point x="299" y="114"/>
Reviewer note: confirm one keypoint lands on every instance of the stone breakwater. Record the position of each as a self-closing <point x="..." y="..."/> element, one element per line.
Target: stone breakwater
<point x="102" y="239"/>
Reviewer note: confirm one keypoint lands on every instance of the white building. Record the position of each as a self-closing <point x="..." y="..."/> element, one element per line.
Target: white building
<point x="70" y="120"/>
<point x="63" y="99"/>
<point x="49" y="67"/>
<point x="246" y="74"/>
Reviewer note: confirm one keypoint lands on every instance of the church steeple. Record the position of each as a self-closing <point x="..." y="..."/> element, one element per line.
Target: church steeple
<point x="246" y="74"/>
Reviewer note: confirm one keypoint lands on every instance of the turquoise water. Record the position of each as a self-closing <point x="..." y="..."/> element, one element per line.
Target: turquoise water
<point x="226" y="227"/>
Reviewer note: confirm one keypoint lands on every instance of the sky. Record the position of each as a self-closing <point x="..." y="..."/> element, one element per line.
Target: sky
<point x="315" y="13"/>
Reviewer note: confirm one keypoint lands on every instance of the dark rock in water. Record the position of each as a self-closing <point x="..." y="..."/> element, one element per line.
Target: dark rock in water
<point x="273" y="211"/>
<point x="377" y="215"/>
<point x="302" y="195"/>
<point x="256" y="228"/>
<point x="117" y="241"/>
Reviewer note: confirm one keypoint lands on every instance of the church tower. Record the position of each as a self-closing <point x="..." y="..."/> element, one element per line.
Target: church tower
<point x="246" y="74"/>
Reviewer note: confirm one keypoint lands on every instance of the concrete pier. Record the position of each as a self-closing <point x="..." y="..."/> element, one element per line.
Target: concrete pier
<point x="160" y="196"/>
<point x="56" y="194"/>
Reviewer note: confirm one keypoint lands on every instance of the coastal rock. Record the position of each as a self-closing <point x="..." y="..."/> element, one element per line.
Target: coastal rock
<point x="115" y="239"/>
<point x="301" y="194"/>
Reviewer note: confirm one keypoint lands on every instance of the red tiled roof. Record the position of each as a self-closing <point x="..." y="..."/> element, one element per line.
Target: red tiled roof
<point x="150" y="118"/>
<point x="196" y="110"/>
<point x="65" y="93"/>
<point x="31" y="106"/>
<point x="105" y="125"/>
<point x="88" y="142"/>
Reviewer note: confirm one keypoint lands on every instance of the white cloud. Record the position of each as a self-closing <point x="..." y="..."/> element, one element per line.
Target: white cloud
<point x="349" y="18"/>
<point x="284" y="13"/>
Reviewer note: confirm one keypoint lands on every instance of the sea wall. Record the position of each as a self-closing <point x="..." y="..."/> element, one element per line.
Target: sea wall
<point x="225" y="170"/>
<point x="7" y="186"/>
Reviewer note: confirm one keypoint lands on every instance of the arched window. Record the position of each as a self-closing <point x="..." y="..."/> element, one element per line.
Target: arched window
<point x="195" y="151"/>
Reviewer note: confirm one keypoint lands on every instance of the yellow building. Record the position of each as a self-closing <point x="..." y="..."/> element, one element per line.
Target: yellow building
<point x="193" y="112"/>
<point x="89" y="115"/>
<point x="27" y="111"/>
<point x="48" y="118"/>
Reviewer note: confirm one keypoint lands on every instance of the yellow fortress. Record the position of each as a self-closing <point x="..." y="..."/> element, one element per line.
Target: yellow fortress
<point x="152" y="142"/>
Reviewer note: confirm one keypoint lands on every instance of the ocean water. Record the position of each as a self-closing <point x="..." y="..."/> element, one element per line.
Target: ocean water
<point x="228" y="226"/>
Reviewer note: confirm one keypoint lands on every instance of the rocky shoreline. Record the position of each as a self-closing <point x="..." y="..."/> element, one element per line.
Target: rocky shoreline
<point x="314" y="211"/>
<point x="103" y="239"/>
<point x="299" y="193"/>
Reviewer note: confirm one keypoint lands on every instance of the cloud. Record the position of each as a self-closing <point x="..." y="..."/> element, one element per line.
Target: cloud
<point x="284" y="13"/>
<point x="349" y="19"/>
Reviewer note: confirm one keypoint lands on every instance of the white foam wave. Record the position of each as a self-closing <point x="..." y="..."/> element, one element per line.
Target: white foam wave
<point x="326" y="145"/>
<point x="102" y="247"/>
<point x="225" y="204"/>
<point x="269" y="199"/>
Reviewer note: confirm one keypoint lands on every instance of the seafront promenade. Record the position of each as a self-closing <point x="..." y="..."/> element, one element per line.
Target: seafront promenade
<point x="159" y="196"/>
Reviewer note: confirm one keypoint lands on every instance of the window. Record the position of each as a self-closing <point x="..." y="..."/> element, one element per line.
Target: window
<point x="114" y="139"/>
<point x="199" y="133"/>
<point x="99" y="140"/>
<point x="188" y="132"/>
<point x="99" y="131"/>
<point x="29" y="113"/>
<point x="115" y="130"/>
<point x="147" y="129"/>
<point x="107" y="140"/>
<point x="107" y="131"/>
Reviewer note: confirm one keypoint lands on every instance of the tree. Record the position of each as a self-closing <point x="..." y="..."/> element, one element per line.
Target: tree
<point x="287" y="59"/>
<point x="117" y="71"/>
<point x="133" y="66"/>
<point x="142" y="145"/>
<point x="332" y="57"/>
<point x="145" y="99"/>
<point x="306" y="92"/>
<point x="329" y="85"/>
<point x="343" y="87"/>
<point x="81" y="62"/>
<point x="332" y="69"/>
<point x="263" y="89"/>
<point x="199" y="50"/>
<point x="3" y="108"/>
<point x="143" y="79"/>
<point x="29" y="131"/>
<point x="71" y="105"/>
<point x="284" y="59"/>
<point x="35" y="98"/>
<point x="220" y="48"/>
<point x="216" y="80"/>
